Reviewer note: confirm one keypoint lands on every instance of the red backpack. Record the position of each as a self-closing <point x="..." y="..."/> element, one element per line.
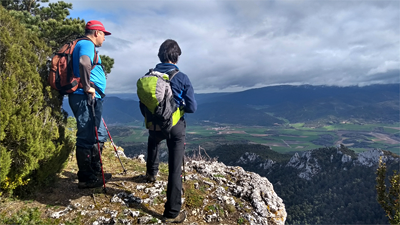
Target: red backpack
<point x="61" y="76"/>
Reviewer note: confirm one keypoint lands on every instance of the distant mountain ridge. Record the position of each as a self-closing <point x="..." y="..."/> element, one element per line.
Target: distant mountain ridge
<point x="279" y="104"/>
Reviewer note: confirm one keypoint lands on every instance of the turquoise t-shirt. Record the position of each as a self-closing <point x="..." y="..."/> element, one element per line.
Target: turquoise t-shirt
<point x="97" y="75"/>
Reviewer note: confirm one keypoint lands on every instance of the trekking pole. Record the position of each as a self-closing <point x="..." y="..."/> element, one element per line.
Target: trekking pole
<point x="183" y="162"/>
<point x="115" y="147"/>
<point x="92" y="102"/>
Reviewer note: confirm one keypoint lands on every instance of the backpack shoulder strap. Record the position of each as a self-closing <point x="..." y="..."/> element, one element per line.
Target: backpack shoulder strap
<point x="155" y="73"/>
<point x="172" y="73"/>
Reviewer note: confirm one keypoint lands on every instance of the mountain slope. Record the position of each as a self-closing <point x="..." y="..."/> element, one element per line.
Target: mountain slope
<point x="233" y="114"/>
<point x="321" y="186"/>
<point x="280" y="104"/>
<point x="329" y="104"/>
<point x="115" y="110"/>
<point x="275" y="95"/>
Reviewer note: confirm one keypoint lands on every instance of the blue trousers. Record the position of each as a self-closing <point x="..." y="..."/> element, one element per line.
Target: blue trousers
<point x="176" y="150"/>
<point x="85" y="136"/>
<point x="87" y="153"/>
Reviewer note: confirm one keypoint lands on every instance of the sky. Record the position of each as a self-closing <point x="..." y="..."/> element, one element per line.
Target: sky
<point x="235" y="45"/>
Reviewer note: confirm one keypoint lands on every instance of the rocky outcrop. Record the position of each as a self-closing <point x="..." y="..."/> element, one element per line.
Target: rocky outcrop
<point x="307" y="165"/>
<point x="371" y="158"/>
<point x="227" y="195"/>
<point x="252" y="158"/>
<point x="256" y="191"/>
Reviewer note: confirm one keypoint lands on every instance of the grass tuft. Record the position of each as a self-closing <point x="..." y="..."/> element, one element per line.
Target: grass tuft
<point x="193" y="197"/>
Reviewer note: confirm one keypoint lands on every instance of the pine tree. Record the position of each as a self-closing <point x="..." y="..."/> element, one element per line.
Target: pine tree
<point x="389" y="197"/>
<point x="50" y="23"/>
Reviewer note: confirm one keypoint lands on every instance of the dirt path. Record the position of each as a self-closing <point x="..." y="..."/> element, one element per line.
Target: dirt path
<point x="286" y="143"/>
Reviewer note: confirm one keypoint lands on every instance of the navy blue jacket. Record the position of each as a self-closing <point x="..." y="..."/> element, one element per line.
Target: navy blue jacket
<point x="181" y="87"/>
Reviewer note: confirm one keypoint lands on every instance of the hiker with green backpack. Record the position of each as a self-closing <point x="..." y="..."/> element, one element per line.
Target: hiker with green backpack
<point x="165" y="94"/>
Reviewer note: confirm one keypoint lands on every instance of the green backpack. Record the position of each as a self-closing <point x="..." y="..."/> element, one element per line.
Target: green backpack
<point x="157" y="102"/>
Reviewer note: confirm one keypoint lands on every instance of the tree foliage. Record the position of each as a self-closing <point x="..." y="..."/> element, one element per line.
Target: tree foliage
<point x="50" y="23"/>
<point x="108" y="63"/>
<point x="32" y="140"/>
<point x="388" y="197"/>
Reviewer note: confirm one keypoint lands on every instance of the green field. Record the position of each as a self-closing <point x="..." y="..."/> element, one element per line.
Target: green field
<point x="289" y="138"/>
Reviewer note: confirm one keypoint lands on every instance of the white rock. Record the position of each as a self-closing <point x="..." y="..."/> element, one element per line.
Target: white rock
<point x="141" y="158"/>
<point x="210" y="218"/>
<point x="346" y="158"/>
<point x="120" y="154"/>
<point x="229" y="200"/>
<point x="371" y="158"/>
<point x="257" y="190"/>
<point x="140" y="187"/>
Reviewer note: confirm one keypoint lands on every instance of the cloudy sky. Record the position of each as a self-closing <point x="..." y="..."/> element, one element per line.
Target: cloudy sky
<point x="234" y="45"/>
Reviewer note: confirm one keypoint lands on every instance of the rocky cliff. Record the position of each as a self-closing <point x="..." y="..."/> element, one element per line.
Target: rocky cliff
<point x="331" y="185"/>
<point x="213" y="194"/>
<point x="309" y="165"/>
<point x="232" y="185"/>
<point x="312" y="162"/>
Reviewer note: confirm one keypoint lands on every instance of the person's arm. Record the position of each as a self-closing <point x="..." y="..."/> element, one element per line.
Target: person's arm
<point x="142" y="108"/>
<point x="85" y="66"/>
<point x="188" y="97"/>
<point x="86" y="57"/>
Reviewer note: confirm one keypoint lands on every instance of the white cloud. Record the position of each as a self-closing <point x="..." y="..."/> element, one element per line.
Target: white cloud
<point x="238" y="44"/>
<point x="384" y="67"/>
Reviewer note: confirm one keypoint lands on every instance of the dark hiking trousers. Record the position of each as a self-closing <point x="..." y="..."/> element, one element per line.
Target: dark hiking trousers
<point x="95" y="161"/>
<point x="101" y="130"/>
<point x="175" y="156"/>
<point x="87" y="154"/>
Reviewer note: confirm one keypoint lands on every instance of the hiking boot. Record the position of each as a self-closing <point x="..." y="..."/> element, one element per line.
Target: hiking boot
<point x="150" y="178"/>
<point x="90" y="184"/>
<point x="107" y="176"/>
<point x="179" y="219"/>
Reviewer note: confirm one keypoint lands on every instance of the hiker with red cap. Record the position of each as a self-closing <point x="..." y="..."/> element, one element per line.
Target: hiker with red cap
<point x="87" y="65"/>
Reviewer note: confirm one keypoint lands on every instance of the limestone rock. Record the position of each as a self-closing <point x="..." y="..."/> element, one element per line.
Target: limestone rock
<point x="258" y="191"/>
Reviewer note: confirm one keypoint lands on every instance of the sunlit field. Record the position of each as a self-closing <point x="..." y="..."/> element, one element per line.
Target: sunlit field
<point x="283" y="139"/>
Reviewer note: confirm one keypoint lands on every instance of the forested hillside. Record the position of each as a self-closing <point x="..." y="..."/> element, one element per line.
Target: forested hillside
<point x="322" y="186"/>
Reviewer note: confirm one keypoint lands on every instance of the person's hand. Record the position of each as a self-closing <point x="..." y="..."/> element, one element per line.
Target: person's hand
<point x="92" y="92"/>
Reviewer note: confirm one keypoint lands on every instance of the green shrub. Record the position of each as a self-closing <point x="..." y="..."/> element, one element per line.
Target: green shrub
<point x="33" y="142"/>
<point x="241" y="220"/>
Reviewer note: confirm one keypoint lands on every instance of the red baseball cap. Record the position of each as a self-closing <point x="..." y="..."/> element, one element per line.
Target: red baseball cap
<point x="96" y="25"/>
